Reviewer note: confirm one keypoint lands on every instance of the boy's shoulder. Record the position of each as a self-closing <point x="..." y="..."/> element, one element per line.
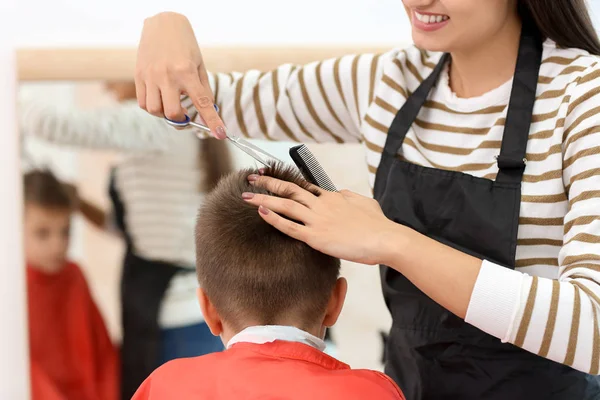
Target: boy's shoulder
<point x="69" y="274"/>
<point x="187" y="368"/>
<point x="179" y="373"/>
<point x="328" y="383"/>
<point x="74" y="271"/>
<point x="361" y="381"/>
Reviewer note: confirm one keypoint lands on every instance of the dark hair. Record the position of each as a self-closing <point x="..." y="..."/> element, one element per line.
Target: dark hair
<point x="215" y="161"/>
<point x="567" y="22"/>
<point x="251" y="272"/>
<point x="42" y="188"/>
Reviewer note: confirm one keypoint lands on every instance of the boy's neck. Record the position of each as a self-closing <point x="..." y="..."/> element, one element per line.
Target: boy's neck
<point x="317" y="331"/>
<point x="261" y="334"/>
<point x="50" y="270"/>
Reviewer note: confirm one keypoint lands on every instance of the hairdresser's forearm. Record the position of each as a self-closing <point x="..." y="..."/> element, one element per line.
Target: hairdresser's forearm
<point x="444" y="274"/>
<point x="94" y="214"/>
<point x="121" y="127"/>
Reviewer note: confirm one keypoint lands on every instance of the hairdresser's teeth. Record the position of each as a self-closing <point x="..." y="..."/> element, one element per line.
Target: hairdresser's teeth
<point x="431" y="19"/>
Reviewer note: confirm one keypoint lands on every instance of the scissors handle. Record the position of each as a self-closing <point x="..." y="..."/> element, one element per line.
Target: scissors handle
<point x="187" y="122"/>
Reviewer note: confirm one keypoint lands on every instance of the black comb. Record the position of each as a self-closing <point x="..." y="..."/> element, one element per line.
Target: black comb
<point x="310" y="168"/>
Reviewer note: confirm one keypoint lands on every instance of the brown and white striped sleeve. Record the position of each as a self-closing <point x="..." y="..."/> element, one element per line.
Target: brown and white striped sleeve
<point x="558" y="319"/>
<point x="122" y="127"/>
<point x="318" y="102"/>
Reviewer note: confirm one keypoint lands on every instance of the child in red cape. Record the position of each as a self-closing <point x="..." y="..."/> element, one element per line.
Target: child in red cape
<point x="71" y="355"/>
<point x="270" y="298"/>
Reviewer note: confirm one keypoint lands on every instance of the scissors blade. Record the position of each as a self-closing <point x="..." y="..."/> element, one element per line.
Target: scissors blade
<point x="249" y="151"/>
<point x="243" y="143"/>
<point x="253" y="151"/>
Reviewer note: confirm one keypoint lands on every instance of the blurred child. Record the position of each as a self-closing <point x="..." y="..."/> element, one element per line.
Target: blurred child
<point x="72" y="357"/>
<point x="270" y="298"/>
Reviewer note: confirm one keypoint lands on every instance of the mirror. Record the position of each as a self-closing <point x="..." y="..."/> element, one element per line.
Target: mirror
<point x="45" y="90"/>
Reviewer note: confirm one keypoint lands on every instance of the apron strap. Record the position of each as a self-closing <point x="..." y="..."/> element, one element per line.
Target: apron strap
<point x="118" y="208"/>
<point x="409" y="111"/>
<point x="511" y="161"/>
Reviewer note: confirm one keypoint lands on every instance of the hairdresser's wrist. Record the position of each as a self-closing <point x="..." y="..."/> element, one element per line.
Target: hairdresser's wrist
<point x="165" y="16"/>
<point x="393" y="245"/>
<point x="166" y="31"/>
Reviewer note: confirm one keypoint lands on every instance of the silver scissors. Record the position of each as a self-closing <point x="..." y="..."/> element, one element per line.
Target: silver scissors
<point x="253" y="151"/>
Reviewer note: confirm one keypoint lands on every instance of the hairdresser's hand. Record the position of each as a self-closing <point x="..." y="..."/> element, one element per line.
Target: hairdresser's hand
<point x="344" y="224"/>
<point x="169" y="63"/>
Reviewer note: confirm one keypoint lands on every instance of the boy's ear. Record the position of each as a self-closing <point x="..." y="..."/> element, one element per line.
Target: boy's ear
<point x="336" y="302"/>
<point x="211" y="317"/>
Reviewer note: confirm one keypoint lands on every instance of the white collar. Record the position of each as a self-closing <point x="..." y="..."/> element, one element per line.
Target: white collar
<point x="269" y="333"/>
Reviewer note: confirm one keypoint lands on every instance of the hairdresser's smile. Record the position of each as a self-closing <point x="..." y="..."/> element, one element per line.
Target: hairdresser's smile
<point x="429" y="21"/>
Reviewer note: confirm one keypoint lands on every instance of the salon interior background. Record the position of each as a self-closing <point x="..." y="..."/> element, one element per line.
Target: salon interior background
<point x="116" y="23"/>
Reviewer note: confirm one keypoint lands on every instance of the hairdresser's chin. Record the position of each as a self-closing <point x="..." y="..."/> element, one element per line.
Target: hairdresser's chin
<point x="454" y="25"/>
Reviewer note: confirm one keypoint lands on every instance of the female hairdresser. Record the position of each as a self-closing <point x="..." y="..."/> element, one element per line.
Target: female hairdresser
<point x="482" y="143"/>
<point x="155" y="192"/>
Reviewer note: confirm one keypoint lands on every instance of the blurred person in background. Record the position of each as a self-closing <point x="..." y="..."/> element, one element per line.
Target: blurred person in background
<point x="71" y="354"/>
<point x="155" y="191"/>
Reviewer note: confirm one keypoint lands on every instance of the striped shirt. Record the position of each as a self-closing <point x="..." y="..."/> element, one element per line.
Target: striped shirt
<point x="158" y="182"/>
<point x="550" y="304"/>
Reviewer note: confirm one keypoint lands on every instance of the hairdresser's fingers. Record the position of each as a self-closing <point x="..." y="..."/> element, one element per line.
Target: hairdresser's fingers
<point x="172" y="103"/>
<point x="284" y="189"/>
<point x="314" y="189"/>
<point x="154" y="101"/>
<point x="140" y="91"/>
<point x="349" y="194"/>
<point x="287" y="207"/>
<point x="290" y="228"/>
<point x="203" y="75"/>
<point x="202" y="97"/>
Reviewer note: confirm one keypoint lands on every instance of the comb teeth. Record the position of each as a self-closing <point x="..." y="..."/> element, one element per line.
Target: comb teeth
<point x="312" y="168"/>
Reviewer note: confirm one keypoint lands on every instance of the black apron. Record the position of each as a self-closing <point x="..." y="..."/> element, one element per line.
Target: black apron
<point x="431" y="353"/>
<point x="143" y="285"/>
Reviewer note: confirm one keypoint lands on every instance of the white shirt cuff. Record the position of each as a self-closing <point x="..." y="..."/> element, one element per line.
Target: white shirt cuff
<point x="495" y="300"/>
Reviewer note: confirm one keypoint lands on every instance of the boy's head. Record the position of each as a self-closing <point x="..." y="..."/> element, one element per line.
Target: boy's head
<point x="252" y="274"/>
<point x="48" y="208"/>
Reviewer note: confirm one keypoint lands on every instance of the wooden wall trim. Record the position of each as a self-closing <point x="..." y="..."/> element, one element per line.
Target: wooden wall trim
<point x="82" y="64"/>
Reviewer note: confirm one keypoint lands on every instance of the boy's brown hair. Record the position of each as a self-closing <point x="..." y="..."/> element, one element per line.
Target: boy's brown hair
<point x="251" y="272"/>
<point x="42" y="188"/>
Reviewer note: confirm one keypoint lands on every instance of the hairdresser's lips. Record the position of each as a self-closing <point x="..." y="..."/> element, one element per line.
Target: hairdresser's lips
<point x="429" y="22"/>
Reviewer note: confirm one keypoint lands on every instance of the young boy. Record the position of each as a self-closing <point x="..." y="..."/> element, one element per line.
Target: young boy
<point x="71" y="354"/>
<point x="270" y="298"/>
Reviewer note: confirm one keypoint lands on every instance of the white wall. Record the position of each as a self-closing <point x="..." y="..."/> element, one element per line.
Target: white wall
<point x="119" y="22"/>
<point x="14" y="362"/>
